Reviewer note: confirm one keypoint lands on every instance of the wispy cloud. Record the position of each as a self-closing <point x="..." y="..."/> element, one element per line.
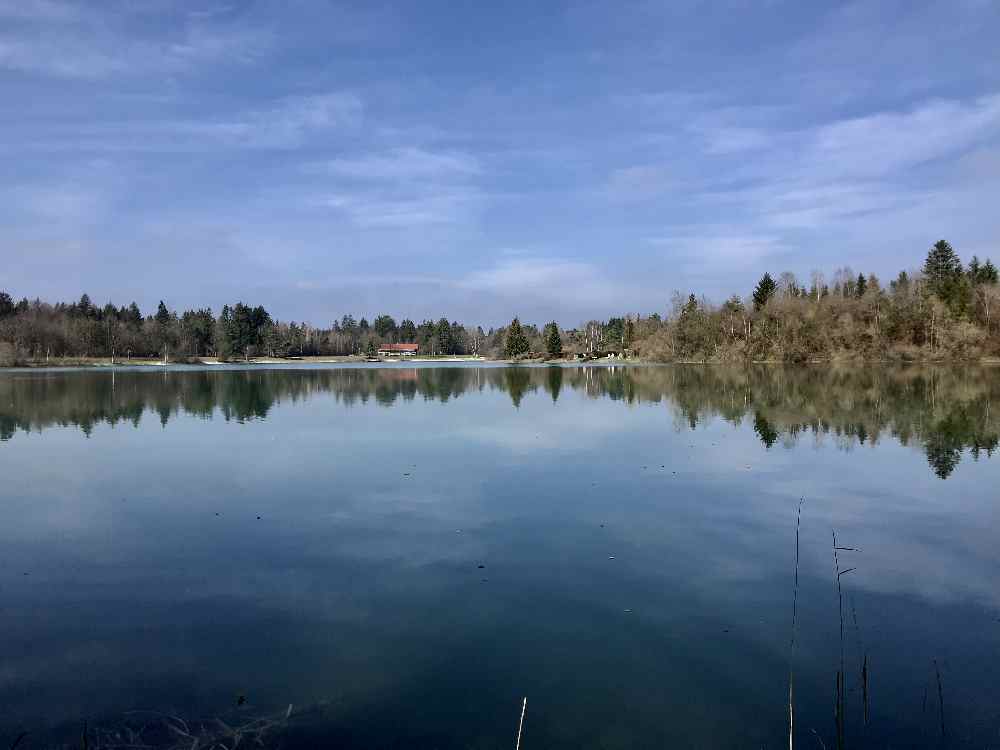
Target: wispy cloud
<point x="67" y="40"/>
<point x="879" y="144"/>
<point x="639" y="182"/>
<point x="403" y="187"/>
<point x="39" y="10"/>
<point x="407" y="163"/>
<point x="706" y="249"/>
<point x="286" y="123"/>
<point x="734" y="139"/>
<point x="383" y="210"/>
<point x="561" y="282"/>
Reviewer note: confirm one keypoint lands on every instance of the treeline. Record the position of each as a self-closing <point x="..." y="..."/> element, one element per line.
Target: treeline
<point x="944" y="310"/>
<point x="39" y="331"/>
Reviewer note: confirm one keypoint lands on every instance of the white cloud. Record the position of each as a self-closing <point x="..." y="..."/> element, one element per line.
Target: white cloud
<point x="93" y="42"/>
<point x="732" y="139"/>
<point x="408" y="163"/>
<point x="570" y="283"/>
<point x="383" y="210"/>
<point x="880" y="144"/>
<point x="638" y="182"/>
<point x="287" y="123"/>
<point x="711" y="248"/>
<point x="39" y="10"/>
<point x="404" y="187"/>
<point x="850" y="178"/>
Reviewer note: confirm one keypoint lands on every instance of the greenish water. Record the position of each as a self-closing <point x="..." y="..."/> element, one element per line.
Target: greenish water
<point x="419" y="548"/>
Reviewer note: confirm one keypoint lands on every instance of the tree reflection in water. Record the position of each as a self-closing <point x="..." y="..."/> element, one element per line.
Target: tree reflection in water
<point x="944" y="411"/>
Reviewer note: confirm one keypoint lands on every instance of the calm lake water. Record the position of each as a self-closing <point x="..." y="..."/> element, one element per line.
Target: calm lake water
<point x="417" y="549"/>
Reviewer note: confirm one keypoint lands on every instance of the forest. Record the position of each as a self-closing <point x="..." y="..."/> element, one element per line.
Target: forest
<point x="944" y="310"/>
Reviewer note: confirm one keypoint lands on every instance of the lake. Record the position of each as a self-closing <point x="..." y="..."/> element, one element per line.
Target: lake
<point x="405" y="553"/>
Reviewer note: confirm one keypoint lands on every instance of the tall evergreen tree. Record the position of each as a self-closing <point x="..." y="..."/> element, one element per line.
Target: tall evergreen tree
<point x="985" y="273"/>
<point x="988" y="273"/>
<point x="85" y="307"/>
<point x="384" y="326"/>
<point x="162" y="314"/>
<point x="943" y="270"/>
<point x="407" y="331"/>
<point x="861" y="286"/>
<point x="224" y="347"/>
<point x="764" y="291"/>
<point x="517" y="342"/>
<point x="553" y="341"/>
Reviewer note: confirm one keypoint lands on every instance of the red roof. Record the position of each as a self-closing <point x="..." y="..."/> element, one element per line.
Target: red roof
<point x="398" y="348"/>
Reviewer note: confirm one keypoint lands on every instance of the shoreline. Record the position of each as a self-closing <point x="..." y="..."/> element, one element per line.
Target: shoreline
<point x="86" y="363"/>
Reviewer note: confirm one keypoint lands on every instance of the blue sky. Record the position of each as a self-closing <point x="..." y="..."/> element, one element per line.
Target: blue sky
<point x="480" y="160"/>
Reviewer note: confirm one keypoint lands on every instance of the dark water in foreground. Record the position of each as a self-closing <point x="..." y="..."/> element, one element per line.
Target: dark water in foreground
<point x="418" y="549"/>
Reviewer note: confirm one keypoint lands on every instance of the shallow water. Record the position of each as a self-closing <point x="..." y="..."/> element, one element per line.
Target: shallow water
<point x="419" y="548"/>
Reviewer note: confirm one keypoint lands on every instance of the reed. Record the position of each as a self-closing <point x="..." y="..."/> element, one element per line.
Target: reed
<point x="864" y="669"/>
<point x="839" y="709"/>
<point x="937" y="673"/>
<point x="520" y="725"/>
<point x="791" y="649"/>
<point x="865" y="693"/>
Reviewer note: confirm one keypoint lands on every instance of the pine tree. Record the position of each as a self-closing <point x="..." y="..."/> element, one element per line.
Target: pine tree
<point x="224" y="334"/>
<point x="766" y="288"/>
<point x="372" y="349"/>
<point x="517" y="342"/>
<point x="553" y="341"/>
<point x="162" y="314"/>
<point x="985" y="273"/>
<point x="861" y="287"/>
<point x="988" y="273"/>
<point x="942" y="267"/>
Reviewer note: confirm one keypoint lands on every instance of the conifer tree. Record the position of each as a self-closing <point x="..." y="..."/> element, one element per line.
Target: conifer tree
<point x="764" y="291"/>
<point x="162" y="314"/>
<point x="942" y="263"/>
<point x="553" y="341"/>
<point x="517" y="342"/>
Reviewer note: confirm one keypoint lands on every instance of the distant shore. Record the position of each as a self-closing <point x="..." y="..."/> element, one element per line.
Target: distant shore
<point x="99" y="362"/>
<point x="105" y="362"/>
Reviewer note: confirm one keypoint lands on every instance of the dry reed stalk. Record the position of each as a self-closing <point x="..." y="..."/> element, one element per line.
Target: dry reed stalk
<point x="839" y="711"/>
<point x="866" y="692"/>
<point x="791" y="650"/>
<point x="520" y="725"/>
<point x="937" y="672"/>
